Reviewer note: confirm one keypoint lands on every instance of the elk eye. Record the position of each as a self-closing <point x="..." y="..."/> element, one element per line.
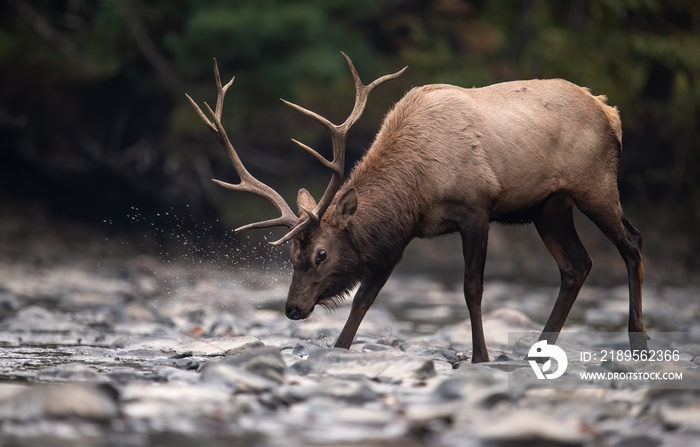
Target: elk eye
<point x="321" y="256"/>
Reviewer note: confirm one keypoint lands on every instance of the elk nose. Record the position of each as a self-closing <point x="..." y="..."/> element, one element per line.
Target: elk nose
<point x="292" y="312"/>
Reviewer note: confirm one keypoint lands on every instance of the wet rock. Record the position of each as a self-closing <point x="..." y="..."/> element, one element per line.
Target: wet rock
<point x="9" y="303"/>
<point x="298" y="389"/>
<point x="191" y="363"/>
<point x="140" y="312"/>
<point x="264" y="361"/>
<point x="323" y="421"/>
<point x="145" y="285"/>
<point x="605" y="318"/>
<point x="8" y="390"/>
<point x="373" y="365"/>
<point x="499" y="323"/>
<point x="676" y="408"/>
<point x="432" y="416"/>
<point x="293" y="353"/>
<point x="418" y="346"/>
<point x="224" y="325"/>
<point x="355" y="391"/>
<point x="257" y="370"/>
<point x="301" y="351"/>
<point x="375" y="347"/>
<point x="187" y="364"/>
<point x="70" y="372"/>
<point x="64" y="401"/>
<point x="473" y="384"/>
<point x="446" y="355"/>
<point x="124" y="375"/>
<point x="533" y="427"/>
<point x="165" y="406"/>
<point x="638" y="441"/>
<point x="181" y="344"/>
<point x="102" y="318"/>
<point x="39" y="319"/>
<point x="358" y="391"/>
<point x="138" y="328"/>
<point x="389" y="341"/>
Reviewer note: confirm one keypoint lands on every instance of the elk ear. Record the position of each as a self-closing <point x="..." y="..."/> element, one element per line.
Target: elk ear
<point x="305" y="200"/>
<point x="346" y="207"/>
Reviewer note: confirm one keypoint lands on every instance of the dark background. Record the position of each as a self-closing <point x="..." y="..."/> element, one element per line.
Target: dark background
<point x="97" y="137"/>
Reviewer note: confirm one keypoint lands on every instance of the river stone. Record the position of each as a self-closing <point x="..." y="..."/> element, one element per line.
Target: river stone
<point x="531" y="427"/>
<point x="38" y="319"/>
<point x="95" y="402"/>
<point x="260" y="369"/>
<point x="375" y="347"/>
<point x="421" y="346"/>
<point x="356" y="391"/>
<point x="498" y="323"/>
<point x="9" y="303"/>
<point x="74" y="372"/>
<point x="424" y="415"/>
<point x="139" y="312"/>
<point x="605" y="318"/>
<point x="347" y="398"/>
<point x="169" y="401"/>
<point x="301" y="351"/>
<point x="322" y="421"/>
<point x="639" y="441"/>
<point x="8" y="390"/>
<point x="676" y="408"/>
<point x="373" y="365"/>
<point x="475" y="384"/>
<point x="207" y="347"/>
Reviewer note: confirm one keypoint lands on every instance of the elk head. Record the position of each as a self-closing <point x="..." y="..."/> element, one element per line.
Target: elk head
<point x="326" y="265"/>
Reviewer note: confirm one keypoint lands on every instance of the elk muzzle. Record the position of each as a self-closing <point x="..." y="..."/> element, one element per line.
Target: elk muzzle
<point x="294" y="313"/>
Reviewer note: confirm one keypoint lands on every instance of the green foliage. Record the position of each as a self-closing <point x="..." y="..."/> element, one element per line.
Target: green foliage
<point x="643" y="54"/>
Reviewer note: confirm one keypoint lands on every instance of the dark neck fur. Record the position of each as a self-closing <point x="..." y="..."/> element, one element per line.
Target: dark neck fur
<point x="387" y="213"/>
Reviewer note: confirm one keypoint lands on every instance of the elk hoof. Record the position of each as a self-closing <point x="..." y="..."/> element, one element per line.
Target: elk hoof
<point x="638" y="341"/>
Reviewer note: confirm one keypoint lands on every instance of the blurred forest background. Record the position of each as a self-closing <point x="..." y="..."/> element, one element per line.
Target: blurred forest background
<point x="94" y="120"/>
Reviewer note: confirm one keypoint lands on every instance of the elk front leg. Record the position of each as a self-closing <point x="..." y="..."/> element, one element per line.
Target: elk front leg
<point x="474" y="241"/>
<point x="365" y="296"/>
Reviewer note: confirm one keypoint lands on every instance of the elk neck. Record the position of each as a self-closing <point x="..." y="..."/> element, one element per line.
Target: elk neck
<point x="389" y="207"/>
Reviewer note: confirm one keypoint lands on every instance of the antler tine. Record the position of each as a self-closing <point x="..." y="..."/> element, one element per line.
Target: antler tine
<point x="248" y="183"/>
<point x="298" y="228"/>
<point x="362" y="91"/>
<point x="221" y="91"/>
<point x="338" y="135"/>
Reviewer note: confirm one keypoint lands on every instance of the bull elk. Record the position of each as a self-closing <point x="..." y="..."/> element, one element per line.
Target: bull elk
<point x="450" y="159"/>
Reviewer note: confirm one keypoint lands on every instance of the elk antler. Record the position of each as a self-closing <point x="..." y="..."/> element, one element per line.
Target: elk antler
<point x="338" y="135"/>
<point x="250" y="184"/>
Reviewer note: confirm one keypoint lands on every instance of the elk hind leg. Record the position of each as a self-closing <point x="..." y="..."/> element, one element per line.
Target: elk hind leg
<point x="608" y="216"/>
<point x="555" y="225"/>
